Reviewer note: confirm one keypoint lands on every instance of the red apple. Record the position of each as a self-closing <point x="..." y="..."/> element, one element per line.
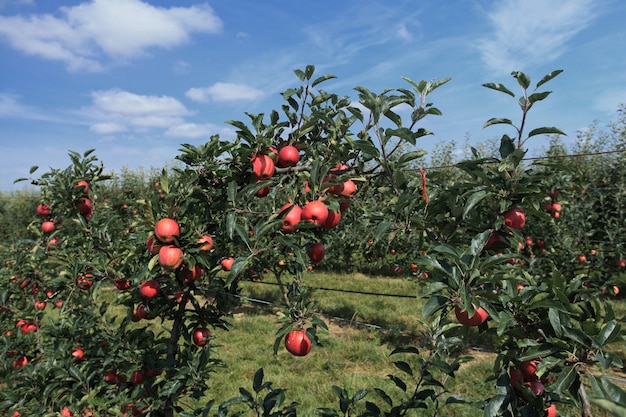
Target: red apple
<point x="84" y="206"/>
<point x="170" y="257"/>
<point x="153" y="245"/>
<point x="206" y="243"/>
<point x="192" y="274"/>
<point x="149" y="289"/>
<point x="201" y="336"/>
<point x="528" y="369"/>
<point x="332" y="220"/>
<point x="293" y="214"/>
<point x="349" y="189"/>
<point x="84" y="281"/>
<point x="20" y="361"/>
<point x="139" y="313"/>
<point x="84" y="184"/>
<point x="227" y="263"/>
<point x="137" y="377"/>
<point x="111" y="377"/>
<point x="78" y="354"/>
<point x="48" y="227"/>
<point x="262" y="166"/>
<point x="122" y="284"/>
<point x="297" y="343"/>
<point x="550" y="410"/>
<point x="167" y="230"/>
<point x="288" y="156"/>
<point x="315" y="212"/>
<point x="43" y="210"/>
<point x="514" y="218"/>
<point x="478" y="318"/>
<point x="316" y="252"/>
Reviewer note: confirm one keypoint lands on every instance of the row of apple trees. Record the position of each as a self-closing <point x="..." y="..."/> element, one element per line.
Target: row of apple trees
<point x="107" y="307"/>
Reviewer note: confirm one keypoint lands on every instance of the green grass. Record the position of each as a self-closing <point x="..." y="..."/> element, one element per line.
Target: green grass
<point x="352" y="356"/>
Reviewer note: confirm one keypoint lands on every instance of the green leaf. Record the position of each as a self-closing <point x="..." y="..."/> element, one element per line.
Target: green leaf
<point x="546" y="131"/>
<point x="609" y="333"/>
<point x="522" y="79"/>
<point x="322" y="79"/>
<point x="507" y="146"/>
<point x="33" y="169"/>
<point x="434" y="304"/>
<point x="473" y="200"/>
<point x="493" y="406"/>
<point x="499" y="87"/>
<point x="404" y="367"/>
<point x="538" y="96"/>
<point x="367" y="147"/>
<point x="497" y="121"/>
<point x="410" y="156"/>
<point x="257" y="383"/>
<point x="548" y="77"/>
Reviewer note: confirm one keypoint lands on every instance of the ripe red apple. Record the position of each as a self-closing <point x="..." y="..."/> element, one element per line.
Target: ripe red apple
<point x="48" y="227"/>
<point x="478" y="318"/>
<point x="262" y="192"/>
<point x="149" y="289"/>
<point x="528" y="370"/>
<point x="262" y="166"/>
<point x="167" y="230"/>
<point x="84" y="206"/>
<point x="293" y="215"/>
<point x="78" y="354"/>
<point x="20" y="361"/>
<point x="494" y="242"/>
<point x="514" y="218"/>
<point x="332" y="220"/>
<point x="84" y="282"/>
<point x="316" y="252"/>
<point x="516" y="377"/>
<point x="40" y="305"/>
<point x="52" y="242"/>
<point x="84" y="184"/>
<point x="555" y="207"/>
<point x="349" y="189"/>
<point x="137" y="377"/>
<point x="43" y="210"/>
<point x="122" y="284"/>
<point x="111" y="377"/>
<point x="582" y="259"/>
<point x="288" y="156"/>
<point x="550" y="410"/>
<point x="315" y="211"/>
<point x="153" y="245"/>
<point x="537" y="387"/>
<point x="201" y="336"/>
<point x="297" y="343"/>
<point x="206" y="243"/>
<point x="139" y="313"/>
<point x="192" y="274"/>
<point x="170" y="257"/>
<point x="227" y="263"/>
<point x="620" y="263"/>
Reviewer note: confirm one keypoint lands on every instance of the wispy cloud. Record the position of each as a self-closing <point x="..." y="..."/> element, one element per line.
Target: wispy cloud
<point x="532" y="31"/>
<point x="224" y="92"/>
<point x="118" y="29"/>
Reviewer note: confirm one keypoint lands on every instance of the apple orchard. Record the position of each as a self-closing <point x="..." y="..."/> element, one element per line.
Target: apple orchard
<point x="109" y="311"/>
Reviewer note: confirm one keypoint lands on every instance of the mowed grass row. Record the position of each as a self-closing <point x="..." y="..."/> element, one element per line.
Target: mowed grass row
<point x="353" y="355"/>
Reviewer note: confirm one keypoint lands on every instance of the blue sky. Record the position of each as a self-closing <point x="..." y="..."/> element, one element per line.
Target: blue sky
<point x="135" y="79"/>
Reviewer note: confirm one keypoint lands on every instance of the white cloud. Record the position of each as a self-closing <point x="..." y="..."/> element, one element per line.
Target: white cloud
<point x="119" y="29"/>
<point x="532" y="31"/>
<point x="224" y="92"/>
<point x="191" y="130"/>
<point x="130" y="104"/>
<point x="117" y="110"/>
<point x="107" y="128"/>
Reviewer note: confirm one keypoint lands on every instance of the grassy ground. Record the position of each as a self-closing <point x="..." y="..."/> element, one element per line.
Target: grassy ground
<point x="353" y="355"/>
